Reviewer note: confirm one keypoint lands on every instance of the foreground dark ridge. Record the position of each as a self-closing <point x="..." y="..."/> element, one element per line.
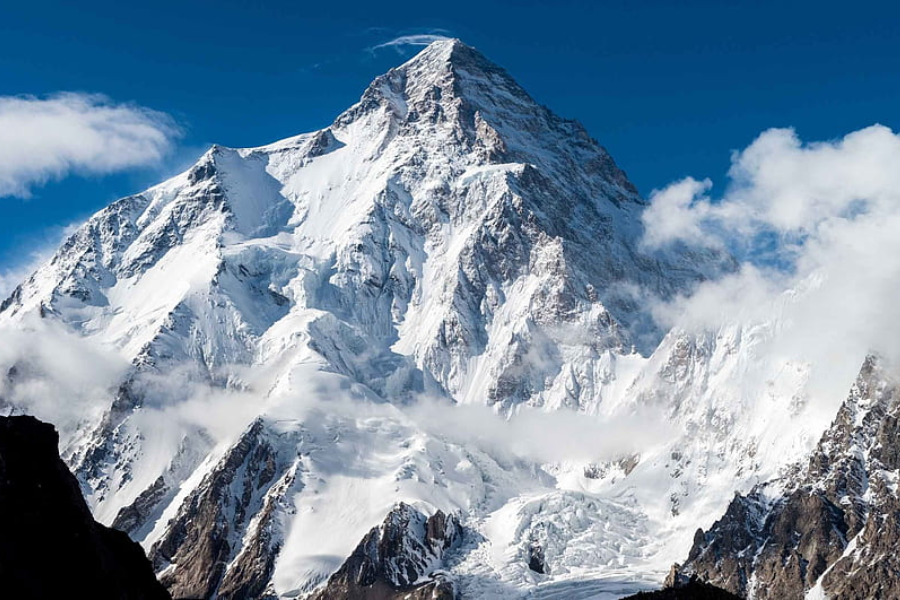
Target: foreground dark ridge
<point x="692" y="590"/>
<point x="50" y="545"/>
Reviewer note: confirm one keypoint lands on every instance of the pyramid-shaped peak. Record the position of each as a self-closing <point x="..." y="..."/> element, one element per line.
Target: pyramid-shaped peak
<point x="451" y="52"/>
<point x="447" y="72"/>
<point x="459" y="71"/>
<point x="450" y="48"/>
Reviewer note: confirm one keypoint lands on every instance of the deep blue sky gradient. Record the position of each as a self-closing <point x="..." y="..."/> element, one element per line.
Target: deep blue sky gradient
<point x="670" y="88"/>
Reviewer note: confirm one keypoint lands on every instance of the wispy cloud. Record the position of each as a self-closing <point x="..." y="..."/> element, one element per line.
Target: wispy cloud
<point x="10" y="278"/>
<point x="418" y="39"/>
<point x="42" y="139"/>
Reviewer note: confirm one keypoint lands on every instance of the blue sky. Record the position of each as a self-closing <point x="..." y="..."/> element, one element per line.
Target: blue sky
<point x="670" y="88"/>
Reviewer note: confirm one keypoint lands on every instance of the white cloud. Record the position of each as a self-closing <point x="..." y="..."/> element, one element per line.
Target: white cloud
<point x="541" y="436"/>
<point x="779" y="186"/>
<point x="48" y="138"/>
<point x="419" y="39"/>
<point x="56" y="375"/>
<point x="676" y="213"/>
<point x="10" y="278"/>
<point x="816" y="228"/>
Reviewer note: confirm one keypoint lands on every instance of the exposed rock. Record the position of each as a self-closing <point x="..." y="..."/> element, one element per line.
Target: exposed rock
<point x="835" y="523"/>
<point x="203" y="537"/>
<point x="131" y="516"/>
<point x="247" y="578"/>
<point x="536" y="560"/>
<point x="692" y="589"/>
<point x="50" y="545"/>
<point x="402" y="558"/>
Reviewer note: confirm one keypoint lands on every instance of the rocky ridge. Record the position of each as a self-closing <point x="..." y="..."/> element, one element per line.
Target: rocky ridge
<point x="50" y="545"/>
<point x="828" y="529"/>
<point x="402" y="558"/>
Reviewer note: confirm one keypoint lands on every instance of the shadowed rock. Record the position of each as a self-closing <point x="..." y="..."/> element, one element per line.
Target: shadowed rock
<point x="693" y="589"/>
<point x="50" y="545"/>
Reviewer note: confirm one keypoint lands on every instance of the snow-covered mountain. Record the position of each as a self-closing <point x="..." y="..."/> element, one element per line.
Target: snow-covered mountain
<point x="315" y="328"/>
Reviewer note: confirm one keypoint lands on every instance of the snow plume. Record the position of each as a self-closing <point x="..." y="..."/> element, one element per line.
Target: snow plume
<point x="815" y="227"/>
<point x="48" y="138"/>
<point x="56" y="375"/>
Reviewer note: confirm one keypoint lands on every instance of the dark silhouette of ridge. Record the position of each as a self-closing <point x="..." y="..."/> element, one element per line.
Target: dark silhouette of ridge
<point x="50" y="545"/>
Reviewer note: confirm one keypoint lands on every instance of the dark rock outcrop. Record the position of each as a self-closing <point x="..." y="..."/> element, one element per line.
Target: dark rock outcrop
<point x="834" y="522"/>
<point x="50" y="545"/>
<point x="401" y="558"/>
<point x="693" y="589"/>
<point x="203" y="538"/>
<point x="536" y="560"/>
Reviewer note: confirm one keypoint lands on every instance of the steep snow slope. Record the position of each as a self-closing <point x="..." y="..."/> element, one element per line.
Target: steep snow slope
<point x="446" y="240"/>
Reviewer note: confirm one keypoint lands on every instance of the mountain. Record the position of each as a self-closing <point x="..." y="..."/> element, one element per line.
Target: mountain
<point x="50" y="546"/>
<point x="828" y="529"/>
<point x="438" y="302"/>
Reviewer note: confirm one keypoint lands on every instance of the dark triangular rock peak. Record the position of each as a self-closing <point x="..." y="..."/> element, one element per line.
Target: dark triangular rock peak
<point x="402" y="558"/>
<point x="50" y="545"/>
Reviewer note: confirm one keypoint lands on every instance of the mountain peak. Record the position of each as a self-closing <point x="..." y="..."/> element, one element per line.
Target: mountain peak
<point x="445" y="71"/>
<point x="452" y="50"/>
<point x="453" y="55"/>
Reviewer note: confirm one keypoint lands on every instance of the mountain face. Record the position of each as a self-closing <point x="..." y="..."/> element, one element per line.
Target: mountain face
<point x="830" y="528"/>
<point x="316" y="331"/>
<point x="50" y="546"/>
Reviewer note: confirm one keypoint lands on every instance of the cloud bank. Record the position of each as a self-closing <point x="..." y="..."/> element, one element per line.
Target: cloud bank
<point x="42" y="139"/>
<point x="58" y="376"/>
<point x="816" y="227"/>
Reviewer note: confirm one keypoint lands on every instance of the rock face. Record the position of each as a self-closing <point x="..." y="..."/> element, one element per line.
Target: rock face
<point x="50" y="546"/>
<point x="832" y="524"/>
<point x="402" y="558"/>
<point x="202" y="539"/>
